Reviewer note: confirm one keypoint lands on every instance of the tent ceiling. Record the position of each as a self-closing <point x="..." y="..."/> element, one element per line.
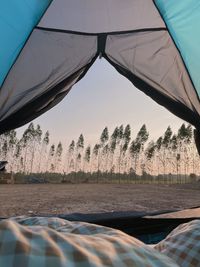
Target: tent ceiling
<point x="94" y="16"/>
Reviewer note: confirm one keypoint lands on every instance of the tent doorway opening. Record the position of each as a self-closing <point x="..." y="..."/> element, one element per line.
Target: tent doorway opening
<point x="104" y="98"/>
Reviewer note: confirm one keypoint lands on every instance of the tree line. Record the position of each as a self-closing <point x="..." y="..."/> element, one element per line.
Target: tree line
<point x="115" y="152"/>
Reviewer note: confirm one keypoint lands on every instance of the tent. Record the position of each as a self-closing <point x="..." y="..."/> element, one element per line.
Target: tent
<point x="47" y="46"/>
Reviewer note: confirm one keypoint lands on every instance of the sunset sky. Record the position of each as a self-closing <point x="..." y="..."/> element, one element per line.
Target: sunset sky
<point x="104" y="98"/>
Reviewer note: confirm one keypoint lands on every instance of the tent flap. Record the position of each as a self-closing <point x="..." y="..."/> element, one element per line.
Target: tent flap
<point x="42" y="65"/>
<point x="153" y="58"/>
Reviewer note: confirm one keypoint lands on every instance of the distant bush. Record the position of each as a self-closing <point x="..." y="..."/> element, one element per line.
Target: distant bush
<point x="103" y="177"/>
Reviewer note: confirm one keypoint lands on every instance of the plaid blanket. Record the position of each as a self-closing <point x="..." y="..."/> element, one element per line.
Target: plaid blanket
<point x="53" y="242"/>
<point x="183" y="244"/>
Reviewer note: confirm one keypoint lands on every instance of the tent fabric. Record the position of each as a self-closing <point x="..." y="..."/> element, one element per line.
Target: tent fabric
<point x="101" y="16"/>
<point x="140" y="38"/>
<point x="182" y="19"/>
<point x="17" y="19"/>
<point x="41" y="75"/>
<point x="153" y="58"/>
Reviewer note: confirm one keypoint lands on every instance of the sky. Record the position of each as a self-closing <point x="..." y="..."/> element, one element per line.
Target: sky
<point x="103" y="98"/>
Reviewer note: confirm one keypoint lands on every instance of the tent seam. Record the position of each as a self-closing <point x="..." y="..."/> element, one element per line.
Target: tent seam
<point x="100" y="33"/>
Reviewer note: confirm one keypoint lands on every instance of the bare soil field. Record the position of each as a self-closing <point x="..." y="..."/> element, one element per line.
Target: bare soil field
<point x="46" y="199"/>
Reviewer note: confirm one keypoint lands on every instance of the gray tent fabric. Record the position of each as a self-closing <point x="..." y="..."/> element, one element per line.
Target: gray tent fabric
<point x="55" y="63"/>
<point x="71" y="34"/>
<point x="101" y="16"/>
<point x="153" y="58"/>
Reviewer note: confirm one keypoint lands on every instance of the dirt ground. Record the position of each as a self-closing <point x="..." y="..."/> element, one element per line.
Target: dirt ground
<point x="43" y="199"/>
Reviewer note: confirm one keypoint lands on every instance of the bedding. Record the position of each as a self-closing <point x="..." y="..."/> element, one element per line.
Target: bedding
<point x="183" y="244"/>
<point x="54" y="242"/>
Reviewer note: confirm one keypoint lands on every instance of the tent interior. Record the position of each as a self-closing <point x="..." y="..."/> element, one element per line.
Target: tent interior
<point x="48" y="47"/>
<point x="149" y="227"/>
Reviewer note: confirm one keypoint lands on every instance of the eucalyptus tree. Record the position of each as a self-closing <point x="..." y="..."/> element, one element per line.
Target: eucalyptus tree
<point x="134" y="151"/>
<point x="104" y="137"/>
<point x="8" y="141"/>
<point x="2" y="138"/>
<point x="102" y="156"/>
<point x="195" y="168"/>
<point x="87" y="158"/>
<point x="185" y="139"/>
<point x="11" y="148"/>
<point x="43" y="151"/>
<point x="69" y="161"/>
<point x="26" y="141"/>
<point x="149" y="157"/>
<point x="119" y="143"/>
<point x="95" y="153"/>
<point x="185" y="133"/>
<point x="120" y="133"/>
<point x="137" y="146"/>
<point x="162" y="148"/>
<point x="79" y="150"/>
<point x="78" y="161"/>
<point x="113" y="144"/>
<point x="175" y="159"/>
<point x="164" y="157"/>
<point x="35" y="140"/>
<point x="158" y="149"/>
<point x="4" y="149"/>
<point x="4" y="145"/>
<point x="71" y="165"/>
<point x="105" y="154"/>
<point x="21" y="164"/>
<point x="17" y="156"/>
<point x="58" y="157"/>
<point x="125" y="143"/>
<point x="50" y="161"/>
<point x="12" y="138"/>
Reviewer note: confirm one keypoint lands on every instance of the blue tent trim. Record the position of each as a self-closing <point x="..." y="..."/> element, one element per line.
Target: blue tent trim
<point x="18" y="18"/>
<point x="182" y="20"/>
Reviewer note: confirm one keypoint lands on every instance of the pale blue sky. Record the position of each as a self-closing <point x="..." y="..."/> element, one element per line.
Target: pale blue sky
<point x="104" y="98"/>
